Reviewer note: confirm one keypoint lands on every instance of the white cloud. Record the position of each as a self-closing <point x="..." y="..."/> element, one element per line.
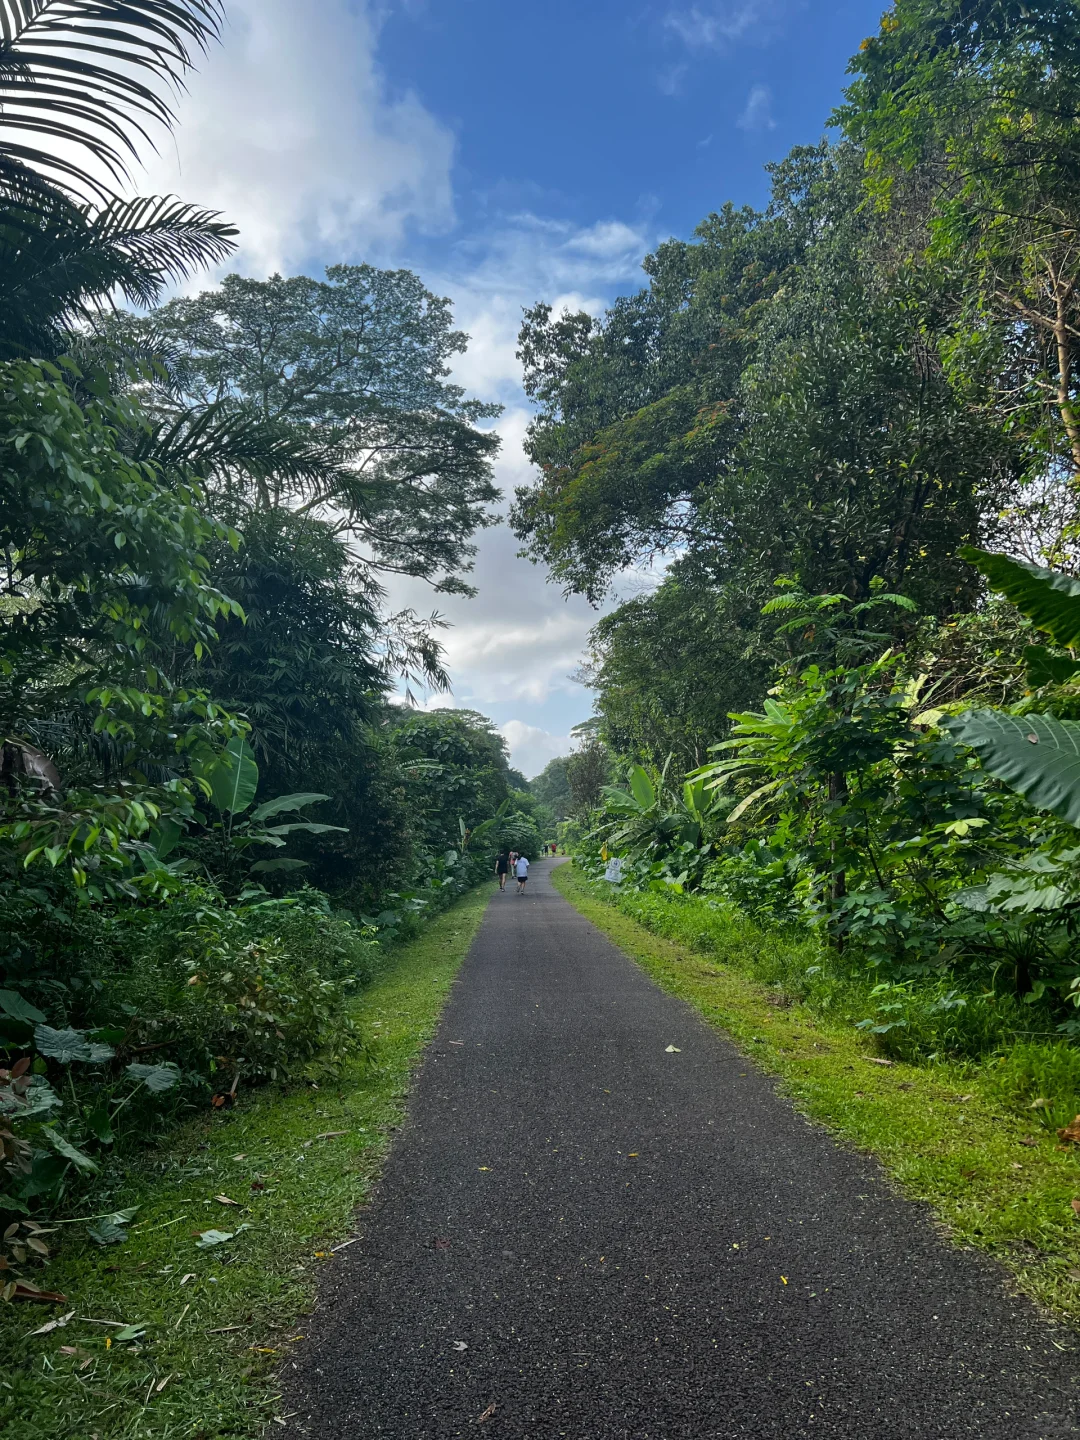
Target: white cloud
<point x="757" y="113"/>
<point x="531" y="748"/>
<point x="293" y="132"/>
<point x="719" y="25"/>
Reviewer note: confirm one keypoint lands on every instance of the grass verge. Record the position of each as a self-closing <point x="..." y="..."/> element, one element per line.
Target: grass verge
<point x="940" y="1130"/>
<point x="215" y="1322"/>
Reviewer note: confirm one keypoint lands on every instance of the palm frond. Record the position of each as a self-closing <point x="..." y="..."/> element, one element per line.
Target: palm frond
<point x="217" y="441"/>
<point x="58" y="260"/>
<point x="160" y="240"/>
<point x="94" y="75"/>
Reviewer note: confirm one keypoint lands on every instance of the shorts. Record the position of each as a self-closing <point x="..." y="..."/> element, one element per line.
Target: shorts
<point x="521" y="879"/>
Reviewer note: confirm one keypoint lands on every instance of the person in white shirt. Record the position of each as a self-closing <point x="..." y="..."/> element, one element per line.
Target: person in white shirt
<point x="521" y="870"/>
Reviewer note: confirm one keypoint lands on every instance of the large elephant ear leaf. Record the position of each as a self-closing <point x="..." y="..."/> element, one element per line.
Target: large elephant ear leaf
<point x="1036" y="755"/>
<point x="1049" y="599"/>
<point x="1042" y="667"/>
<point x="233" y="777"/>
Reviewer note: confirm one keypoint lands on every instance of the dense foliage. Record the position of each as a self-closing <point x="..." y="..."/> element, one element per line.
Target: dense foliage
<point x="213" y="813"/>
<point x="846" y="425"/>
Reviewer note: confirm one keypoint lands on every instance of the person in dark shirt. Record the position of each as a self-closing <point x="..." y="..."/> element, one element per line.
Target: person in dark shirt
<point x="502" y="867"/>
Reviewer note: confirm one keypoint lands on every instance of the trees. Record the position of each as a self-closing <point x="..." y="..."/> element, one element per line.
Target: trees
<point x="780" y="403"/>
<point x="358" y="362"/>
<point x="668" y="666"/>
<point x="552" y="787"/>
<point x="982" y="98"/>
<point x="456" y="768"/>
<point x="189" y="563"/>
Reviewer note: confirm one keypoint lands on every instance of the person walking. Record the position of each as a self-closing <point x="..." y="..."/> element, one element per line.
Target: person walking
<point x="502" y="868"/>
<point x="521" y="870"/>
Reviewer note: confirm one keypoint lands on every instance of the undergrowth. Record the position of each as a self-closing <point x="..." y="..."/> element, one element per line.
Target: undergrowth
<point x="167" y="1337"/>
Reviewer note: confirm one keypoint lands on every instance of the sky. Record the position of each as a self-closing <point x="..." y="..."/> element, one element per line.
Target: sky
<point x="509" y="151"/>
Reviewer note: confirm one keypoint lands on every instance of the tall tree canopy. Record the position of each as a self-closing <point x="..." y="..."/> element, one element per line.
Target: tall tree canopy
<point x="356" y="365"/>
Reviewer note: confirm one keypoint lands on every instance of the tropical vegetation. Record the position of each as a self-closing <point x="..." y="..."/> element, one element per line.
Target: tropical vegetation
<point x="842" y="430"/>
<point x="219" y="801"/>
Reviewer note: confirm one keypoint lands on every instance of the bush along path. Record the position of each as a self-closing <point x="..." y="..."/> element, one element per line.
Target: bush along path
<point x="602" y="1221"/>
<point x="177" y="1329"/>
<point x="977" y="1140"/>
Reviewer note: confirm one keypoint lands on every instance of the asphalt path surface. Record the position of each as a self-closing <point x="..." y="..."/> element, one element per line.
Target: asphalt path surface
<point x="584" y="1232"/>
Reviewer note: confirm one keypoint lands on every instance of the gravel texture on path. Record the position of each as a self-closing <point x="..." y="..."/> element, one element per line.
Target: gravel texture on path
<point x="601" y="1222"/>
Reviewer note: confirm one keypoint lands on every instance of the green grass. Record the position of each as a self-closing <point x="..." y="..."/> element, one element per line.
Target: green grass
<point x="943" y="1131"/>
<point x="219" y="1321"/>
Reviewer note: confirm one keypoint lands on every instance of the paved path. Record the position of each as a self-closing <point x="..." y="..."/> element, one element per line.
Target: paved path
<point x="607" y="1228"/>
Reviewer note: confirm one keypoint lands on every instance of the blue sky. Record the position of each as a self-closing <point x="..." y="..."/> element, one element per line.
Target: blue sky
<point x="509" y="151"/>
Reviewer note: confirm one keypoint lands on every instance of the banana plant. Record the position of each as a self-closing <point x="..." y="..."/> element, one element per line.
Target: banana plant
<point x="230" y="782"/>
<point x="647" y="817"/>
<point x="1036" y="755"/>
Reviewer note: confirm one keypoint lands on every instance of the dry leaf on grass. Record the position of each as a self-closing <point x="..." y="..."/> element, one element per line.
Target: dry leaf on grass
<point x="51" y="1325"/>
<point x="19" y="1290"/>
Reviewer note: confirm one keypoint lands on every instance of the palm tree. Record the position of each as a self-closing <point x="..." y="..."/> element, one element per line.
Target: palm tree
<point x="81" y="84"/>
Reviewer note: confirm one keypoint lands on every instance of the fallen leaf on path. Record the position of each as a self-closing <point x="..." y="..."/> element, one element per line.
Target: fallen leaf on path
<point x="459" y="1344"/>
<point x="488" y="1413"/>
<point x="672" y="1050"/>
<point x="1071" y="1132"/>
<point x="51" y="1325"/>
